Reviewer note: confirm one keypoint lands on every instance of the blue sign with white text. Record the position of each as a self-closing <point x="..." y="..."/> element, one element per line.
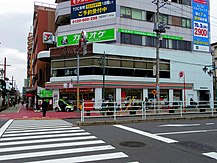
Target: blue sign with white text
<point x="201" y="25"/>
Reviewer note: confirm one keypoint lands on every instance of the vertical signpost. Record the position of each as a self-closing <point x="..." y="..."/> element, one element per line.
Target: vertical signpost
<point x="81" y="47"/>
<point x="182" y="75"/>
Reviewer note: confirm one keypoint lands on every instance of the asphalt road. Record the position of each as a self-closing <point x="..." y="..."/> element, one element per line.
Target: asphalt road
<point x="190" y="140"/>
<point x="185" y="141"/>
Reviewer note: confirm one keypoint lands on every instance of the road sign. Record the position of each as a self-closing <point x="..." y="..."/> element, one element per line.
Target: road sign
<point x="154" y="92"/>
<point x="181" y="74"/>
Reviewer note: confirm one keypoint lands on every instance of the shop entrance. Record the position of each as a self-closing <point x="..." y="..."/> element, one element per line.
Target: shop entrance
<point x="204" y="95"/>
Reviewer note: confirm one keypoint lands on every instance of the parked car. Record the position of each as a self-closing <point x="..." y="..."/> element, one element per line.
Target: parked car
<point x="63" y="105"/>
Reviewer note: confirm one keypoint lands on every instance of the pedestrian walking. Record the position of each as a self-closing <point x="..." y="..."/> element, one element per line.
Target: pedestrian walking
<point x="44" y="108"/>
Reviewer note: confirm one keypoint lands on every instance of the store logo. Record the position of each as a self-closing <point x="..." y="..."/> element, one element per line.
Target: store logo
<point x="78" y="2"/>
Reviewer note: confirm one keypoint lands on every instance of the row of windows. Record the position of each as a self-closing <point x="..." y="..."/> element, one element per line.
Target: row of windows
<point x="110" y="72"/>
<point x="149" y="16"/>
<point x="151" y="41"/>
<point x="115" y="62"/>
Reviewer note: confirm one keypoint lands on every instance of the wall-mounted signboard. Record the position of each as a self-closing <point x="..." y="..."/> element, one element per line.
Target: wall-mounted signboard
<point x="93" y="36"/>
<point x="201" y="25"/>
<point x="92" y="10"/>
<point x="151" y="34"/>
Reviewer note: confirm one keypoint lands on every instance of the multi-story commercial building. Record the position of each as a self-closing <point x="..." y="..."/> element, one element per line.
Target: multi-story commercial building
<point x="38" y="71"/>
<point x="122" y="31"/>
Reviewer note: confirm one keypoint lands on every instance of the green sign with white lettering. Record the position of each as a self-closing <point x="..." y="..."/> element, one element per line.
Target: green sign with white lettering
<point x="46" y="93"/>
<point x="151" y="34"/>
<point x="94" y="36"/>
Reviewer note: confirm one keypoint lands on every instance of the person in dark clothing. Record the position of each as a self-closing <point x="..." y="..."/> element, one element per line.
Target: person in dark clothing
<point x="193" y="103"/>
<point x="44" y="108"/>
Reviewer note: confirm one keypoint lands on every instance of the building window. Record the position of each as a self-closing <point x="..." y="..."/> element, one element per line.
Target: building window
<point x="125" y="38"/>
<point x="126" y="12"/>
<point x="136" y="14"/>
<point x="131" y="39"/>
<point x="150" y="41"/>
<point x="150" y="16"/>
<point x="176" y="21"/>
<point x="186" y="23"/>
<point x="40" y="77"/>
<point x="136" y="40"/>
<point x="163" y="18"/>
<point x="186" y="2"/>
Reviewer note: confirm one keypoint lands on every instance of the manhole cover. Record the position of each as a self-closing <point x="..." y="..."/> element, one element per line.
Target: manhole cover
<point x="132" y="144"/>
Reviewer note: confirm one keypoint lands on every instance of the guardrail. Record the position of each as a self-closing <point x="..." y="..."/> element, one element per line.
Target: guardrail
<point x="143" y="109"/>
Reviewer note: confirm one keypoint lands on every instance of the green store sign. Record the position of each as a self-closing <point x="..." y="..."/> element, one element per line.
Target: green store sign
<point x="151" y="34"/>
<point x="46" y="93"/>
<point x="94" y="36"/>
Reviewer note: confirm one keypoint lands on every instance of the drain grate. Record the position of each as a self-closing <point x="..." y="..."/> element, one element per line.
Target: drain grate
<point x="132" y="144"/>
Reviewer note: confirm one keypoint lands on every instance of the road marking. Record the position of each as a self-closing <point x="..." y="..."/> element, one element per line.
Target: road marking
<point x="87" y="158"/>
<point x="46" y="140"/>
<point x="5" y="126"/>
<point x="211" y="154"/>
<point x="50" y="129"/>
<point x="43" y="136"/>
<point x="42" y="133"/>
<point x="179" y="125"/>
<point x="186" y="132"/>
<point x="210" y="124"/>
<point x="50" y="146"/>
<point x="153" y="136"/>
<point x="55" y="152"/>
<point x="37" y="127"/>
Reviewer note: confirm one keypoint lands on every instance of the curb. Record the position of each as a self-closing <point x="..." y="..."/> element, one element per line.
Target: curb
<point x="112" y="122"/>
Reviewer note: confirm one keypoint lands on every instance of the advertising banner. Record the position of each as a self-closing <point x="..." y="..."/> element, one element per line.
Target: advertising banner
<point x="94" y="36"/>
<point x="201" y="25"/>
<point x="92" y="11"/>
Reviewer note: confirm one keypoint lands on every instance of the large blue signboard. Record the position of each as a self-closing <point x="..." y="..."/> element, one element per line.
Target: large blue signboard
<point x="93" y="11"/>
<point x="201" y="25"/>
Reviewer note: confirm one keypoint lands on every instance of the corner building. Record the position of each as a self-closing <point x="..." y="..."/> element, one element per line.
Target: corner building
<point x="122" y="30"/>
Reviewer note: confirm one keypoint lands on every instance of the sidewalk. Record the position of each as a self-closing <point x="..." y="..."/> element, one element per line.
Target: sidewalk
<point x="20" y="112"/>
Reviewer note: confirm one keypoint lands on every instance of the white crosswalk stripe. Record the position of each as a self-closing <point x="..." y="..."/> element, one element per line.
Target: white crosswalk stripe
<point x="53" y="141"/>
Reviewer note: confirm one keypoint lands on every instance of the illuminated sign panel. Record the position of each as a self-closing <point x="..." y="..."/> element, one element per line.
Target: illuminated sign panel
<point x="201" y="25"/>
<point x="93" y="11"/>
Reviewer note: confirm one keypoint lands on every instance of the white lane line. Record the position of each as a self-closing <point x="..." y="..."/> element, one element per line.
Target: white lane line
<point x="87" y="158"/>
<point x="35" y="127"/>
<point x="50" y="146"/>
<point x="153" y="136"/>
<point x="43" y="136"/>
<point x="210" y="124"/>
<point x="133" y="162"/>
<point x="55" y="152"/>
<point x="41" y="133"/>
<point x="179" y="125"/>
<point x="46" y="140"/>
<point x="49" y="129"/>
<point x="211" y="154"/>
<point x="5" y="126"/>
<point x="186" y="132"/>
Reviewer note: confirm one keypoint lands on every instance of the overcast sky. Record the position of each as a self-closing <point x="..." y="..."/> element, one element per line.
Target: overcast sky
<point x="15" y="21"/>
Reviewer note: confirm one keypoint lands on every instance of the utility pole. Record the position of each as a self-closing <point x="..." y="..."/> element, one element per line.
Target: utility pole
<point x="157" y="53"/>
<point x="159" y="27"/>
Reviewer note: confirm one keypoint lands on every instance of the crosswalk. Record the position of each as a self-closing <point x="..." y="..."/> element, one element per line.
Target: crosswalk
<point x="54" y="141"/>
